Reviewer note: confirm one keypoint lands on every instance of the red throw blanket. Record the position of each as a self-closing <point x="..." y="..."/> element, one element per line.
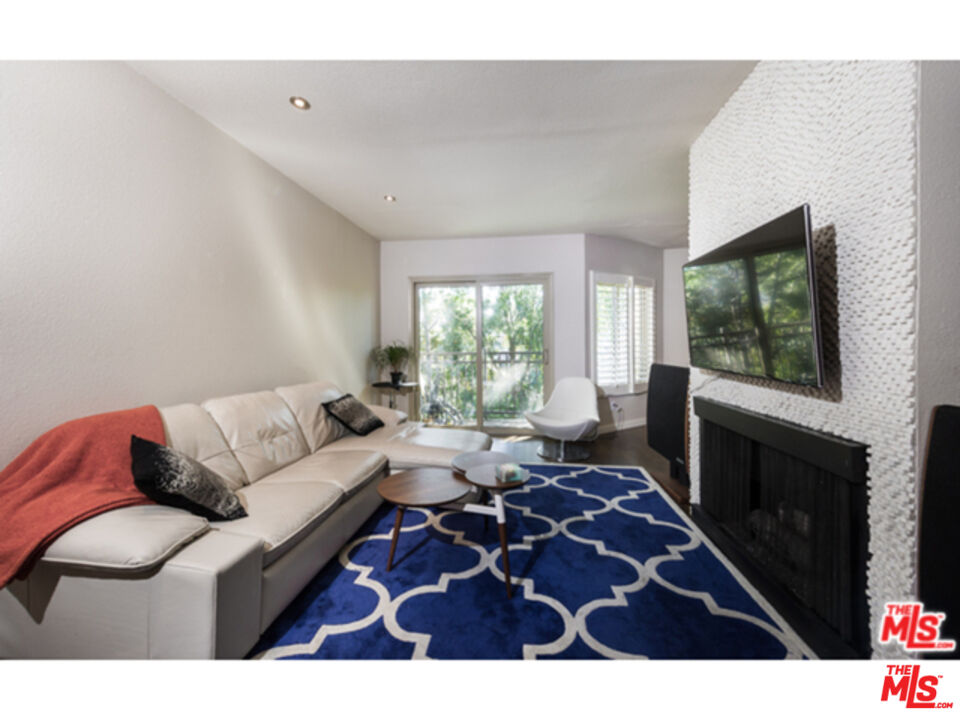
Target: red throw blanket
<point x="68" y="474"/>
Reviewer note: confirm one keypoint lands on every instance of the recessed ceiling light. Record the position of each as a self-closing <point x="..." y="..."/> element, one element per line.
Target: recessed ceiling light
<point x="389" y="198"/>
<point x="299" y="103"/>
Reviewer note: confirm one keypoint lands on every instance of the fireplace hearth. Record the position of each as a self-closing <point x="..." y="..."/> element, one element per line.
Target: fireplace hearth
<point x="788" y="506"/>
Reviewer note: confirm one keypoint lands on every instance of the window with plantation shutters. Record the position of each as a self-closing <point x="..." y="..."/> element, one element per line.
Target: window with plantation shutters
<point x="622" y="332"/>
<point x="643" y="332"/>
<point x="612" y="335"/>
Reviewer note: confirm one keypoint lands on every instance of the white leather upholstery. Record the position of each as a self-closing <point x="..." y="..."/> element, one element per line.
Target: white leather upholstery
<point x="349" y="470"/>
<point x="219" y="578"/>
<point x="130" y="539"/>
<point x="570" y="413"/>
<point x="389" y="416"/>
<point x="282" y="513"/>
<point x="191" y="431"/>
<point x="306" y="403"/>
<point x="412" y="445"/>
<point x="154" y="581"/>
<point x="260" y="429"/>
<point x="285" y="578"/>
<point x="201" y="603"/>
<point x="55" y="613"/>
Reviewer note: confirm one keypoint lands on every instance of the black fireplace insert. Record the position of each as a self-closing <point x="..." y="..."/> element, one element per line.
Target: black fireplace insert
<point x="788" y="505"/>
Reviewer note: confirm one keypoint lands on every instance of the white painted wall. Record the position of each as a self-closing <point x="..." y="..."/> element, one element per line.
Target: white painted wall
<point x="617" y="255"/>
<point x="842" y="137"/>
<point x="145" y="257"/>
<point x="560" y="256"/>
<point x="676" y="350"/>
<point x="938" y="319"/>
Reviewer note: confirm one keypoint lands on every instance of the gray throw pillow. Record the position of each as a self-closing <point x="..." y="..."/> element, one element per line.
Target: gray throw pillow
<point x="355" y="416"/>
<point x="171" y="478"/>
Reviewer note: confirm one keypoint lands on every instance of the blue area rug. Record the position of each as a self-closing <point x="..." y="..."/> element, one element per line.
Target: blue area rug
<point x="603" y="563"/>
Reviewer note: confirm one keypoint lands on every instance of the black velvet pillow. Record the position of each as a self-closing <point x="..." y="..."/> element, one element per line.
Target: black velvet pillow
<point x="356" y="416"/>
<point x="171" y="478"/>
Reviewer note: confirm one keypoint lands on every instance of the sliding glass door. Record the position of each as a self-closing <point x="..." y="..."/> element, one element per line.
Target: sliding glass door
<point x="481" y="349"/>
<point x="512" y="358"/>
<point x="447" y="354"/>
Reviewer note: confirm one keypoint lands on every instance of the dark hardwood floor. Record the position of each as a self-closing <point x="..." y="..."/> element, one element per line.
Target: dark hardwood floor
<point x="626" y="447"/>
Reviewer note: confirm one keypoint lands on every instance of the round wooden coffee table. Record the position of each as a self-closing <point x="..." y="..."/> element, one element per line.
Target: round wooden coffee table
<point x="430" y="487"/>
<point x="421" y="487"/>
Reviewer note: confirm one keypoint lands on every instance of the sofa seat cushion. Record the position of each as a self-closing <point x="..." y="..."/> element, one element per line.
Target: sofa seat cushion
<point x="350" y="470"/>
<point x="130" y="539"/>
<point x="412" y="445"/>
<point x="281" y="514"/>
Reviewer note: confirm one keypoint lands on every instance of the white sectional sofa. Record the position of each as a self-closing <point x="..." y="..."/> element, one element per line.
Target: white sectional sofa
<point x="158" y="582"/>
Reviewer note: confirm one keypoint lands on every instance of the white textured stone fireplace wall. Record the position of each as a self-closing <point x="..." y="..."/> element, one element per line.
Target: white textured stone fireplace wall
<point x="840" y="136"/>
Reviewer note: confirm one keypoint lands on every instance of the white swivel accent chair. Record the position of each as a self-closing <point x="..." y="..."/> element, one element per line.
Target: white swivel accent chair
<point x="570" y="414"/>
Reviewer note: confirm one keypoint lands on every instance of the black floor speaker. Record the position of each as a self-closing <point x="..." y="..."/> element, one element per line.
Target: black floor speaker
<point x="667" y="415"/>
<point x="939" y="587"/>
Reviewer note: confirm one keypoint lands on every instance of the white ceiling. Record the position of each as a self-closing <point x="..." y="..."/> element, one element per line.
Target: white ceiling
<point x="473" y="148"/>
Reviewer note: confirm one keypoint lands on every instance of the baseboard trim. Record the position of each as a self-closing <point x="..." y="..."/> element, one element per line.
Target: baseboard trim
<point x="626" y="425"/>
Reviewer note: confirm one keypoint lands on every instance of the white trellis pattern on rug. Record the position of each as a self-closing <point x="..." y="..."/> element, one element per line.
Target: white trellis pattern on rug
<point x="634" y="483"/>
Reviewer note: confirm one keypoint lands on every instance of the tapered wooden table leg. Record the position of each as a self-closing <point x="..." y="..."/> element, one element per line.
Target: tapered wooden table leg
<point x="502" y="527"/>
<point x="485" y="499"/>
<point x="396" y="534"/>
<point x="506" y="557"/>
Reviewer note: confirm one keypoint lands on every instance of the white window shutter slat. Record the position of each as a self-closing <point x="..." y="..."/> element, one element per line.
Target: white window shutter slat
<point x="644" y="332"/>
<point x="624" y="337"/>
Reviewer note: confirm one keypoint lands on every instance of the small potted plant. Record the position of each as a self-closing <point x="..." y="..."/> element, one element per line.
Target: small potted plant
<point x="396" y="355"/>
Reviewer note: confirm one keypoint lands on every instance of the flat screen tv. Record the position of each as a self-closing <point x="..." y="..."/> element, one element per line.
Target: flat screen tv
<point x="752" y="304"/>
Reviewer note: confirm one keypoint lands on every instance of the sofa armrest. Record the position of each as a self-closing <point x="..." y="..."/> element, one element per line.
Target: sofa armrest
<point x="387" y="415"/>
<point x="203" y="602"/>
<point x="130" y="539"/>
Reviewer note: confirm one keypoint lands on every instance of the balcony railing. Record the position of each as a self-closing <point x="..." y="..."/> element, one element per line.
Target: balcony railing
<point x="512" y="383"/>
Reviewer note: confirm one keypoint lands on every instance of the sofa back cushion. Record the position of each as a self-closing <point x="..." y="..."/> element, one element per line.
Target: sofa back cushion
<point x="306" y="401"/>
<point x="191" y="431"/>
<point x="260" y="429"/>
